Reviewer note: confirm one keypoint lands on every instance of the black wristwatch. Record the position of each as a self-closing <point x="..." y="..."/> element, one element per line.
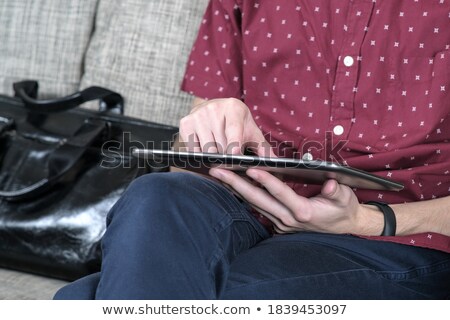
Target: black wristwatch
<point x="390" y="223"/>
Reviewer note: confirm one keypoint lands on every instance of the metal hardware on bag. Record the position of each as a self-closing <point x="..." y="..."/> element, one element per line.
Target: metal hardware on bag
<point x="6" y="124"/>
<point x="44" y="139"/>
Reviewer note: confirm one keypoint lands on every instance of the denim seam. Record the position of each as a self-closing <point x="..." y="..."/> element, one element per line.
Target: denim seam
<point x="232" y="207"/>
<point x="219" y="227"/>
<point x="415" y="272"/>
<point x="440" y="265"/>
<point x="260" y="282"/>
<point x="236" y="208"/>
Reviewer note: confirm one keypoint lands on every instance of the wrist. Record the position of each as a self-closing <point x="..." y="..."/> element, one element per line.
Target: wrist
<point x="370" y="220"/>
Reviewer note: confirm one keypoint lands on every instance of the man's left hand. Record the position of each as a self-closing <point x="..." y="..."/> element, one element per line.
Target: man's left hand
<point x="335" y="210"/>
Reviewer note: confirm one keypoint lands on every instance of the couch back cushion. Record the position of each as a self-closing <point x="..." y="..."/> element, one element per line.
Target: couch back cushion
<point x="44" y="40"/>
<point x="140" y="48"/>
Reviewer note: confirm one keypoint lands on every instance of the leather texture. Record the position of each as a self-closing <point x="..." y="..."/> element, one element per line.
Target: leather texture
<point x="82" y="158"/>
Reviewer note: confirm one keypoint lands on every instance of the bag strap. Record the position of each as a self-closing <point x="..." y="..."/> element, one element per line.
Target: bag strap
<point x="27" y="91"/>
<point x="63" y="163"/>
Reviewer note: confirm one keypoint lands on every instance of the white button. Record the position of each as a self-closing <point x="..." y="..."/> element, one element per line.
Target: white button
<point x="338" y="130"/>
<point x="308" y="157"/>
<point x="348" y="61"/>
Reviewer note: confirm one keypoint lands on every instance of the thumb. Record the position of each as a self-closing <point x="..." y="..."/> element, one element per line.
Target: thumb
<point x="332" y="190"/>
<point x="259" y="145"/>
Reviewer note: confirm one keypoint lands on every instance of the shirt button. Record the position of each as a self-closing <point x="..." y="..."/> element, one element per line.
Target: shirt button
<point x="308" y="157"/>
<point x="349" y="61"/>
<point x="338" y="130"/>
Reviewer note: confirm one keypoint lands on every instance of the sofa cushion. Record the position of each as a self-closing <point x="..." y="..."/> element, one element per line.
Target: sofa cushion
<point x="44" y="40"/>
<point x="139" y="49"/>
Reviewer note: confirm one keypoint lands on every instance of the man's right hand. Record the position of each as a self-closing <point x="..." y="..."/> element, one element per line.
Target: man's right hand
<point x="222" y="126"/>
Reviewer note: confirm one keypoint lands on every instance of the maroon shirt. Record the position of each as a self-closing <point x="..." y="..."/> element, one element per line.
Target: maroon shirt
<point x="363" y="83"/>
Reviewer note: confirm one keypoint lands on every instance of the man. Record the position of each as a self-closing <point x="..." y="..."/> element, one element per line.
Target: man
<point x="363" y="83"/>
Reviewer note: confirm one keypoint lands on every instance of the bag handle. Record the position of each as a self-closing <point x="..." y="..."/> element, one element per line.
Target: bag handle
<point x="27" y="91"/>
<point x="63" y="163"/>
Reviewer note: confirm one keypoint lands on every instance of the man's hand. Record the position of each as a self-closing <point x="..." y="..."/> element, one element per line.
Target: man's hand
<point x="222" y="126"/>
<point x="335" y="210"/>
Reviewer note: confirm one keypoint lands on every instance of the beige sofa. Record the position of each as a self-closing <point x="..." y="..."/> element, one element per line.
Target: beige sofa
<point x="138" y="48"/>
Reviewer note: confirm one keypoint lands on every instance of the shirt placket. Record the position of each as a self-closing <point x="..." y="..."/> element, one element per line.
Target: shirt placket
<point x="348" y="67"/>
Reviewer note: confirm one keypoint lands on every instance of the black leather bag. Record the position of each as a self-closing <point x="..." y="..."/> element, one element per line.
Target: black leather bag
<point x="61" y="169"/>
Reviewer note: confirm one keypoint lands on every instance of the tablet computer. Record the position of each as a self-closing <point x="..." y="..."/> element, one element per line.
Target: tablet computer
<point x="288" y="170"/>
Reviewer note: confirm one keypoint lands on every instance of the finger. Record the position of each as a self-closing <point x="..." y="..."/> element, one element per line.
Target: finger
<point x="241" y="131"/>
<point x="258" y="144"/>
<point x="336" y="192"/>
<point x="195" y="145"/>
<point x="235" y="114"/>
<point x="234" y="134"/>
<point x="330" y="189"/>
<point x="296" y="204"/>
<point x="257" y="197"/>
<point x="219" y="136"/>
<point x="197" y="138"/>
<point x="261" y="149"/>
<point x="207" y="142"/>
<point x="188" y="137"/>
<point x="277" y="224"/>
<point x="190" y="143"/>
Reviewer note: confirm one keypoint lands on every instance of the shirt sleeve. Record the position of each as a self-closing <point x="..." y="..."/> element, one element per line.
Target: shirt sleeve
<point x="214" y="68"/>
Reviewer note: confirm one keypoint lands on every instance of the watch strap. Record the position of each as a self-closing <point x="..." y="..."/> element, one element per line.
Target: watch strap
<point x="390" y="222"/>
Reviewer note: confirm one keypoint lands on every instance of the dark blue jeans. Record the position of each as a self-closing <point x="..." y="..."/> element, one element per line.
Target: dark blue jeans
<point x="181" y="236"/>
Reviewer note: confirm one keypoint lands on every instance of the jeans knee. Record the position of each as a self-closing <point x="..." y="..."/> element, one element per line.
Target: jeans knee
<point x="154" y="193"/>
<point x="160" y="186"/>
<point x="81" y="289"/>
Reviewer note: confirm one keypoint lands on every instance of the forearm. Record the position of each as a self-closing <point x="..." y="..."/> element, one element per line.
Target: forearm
<point x="412" y="218"/>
